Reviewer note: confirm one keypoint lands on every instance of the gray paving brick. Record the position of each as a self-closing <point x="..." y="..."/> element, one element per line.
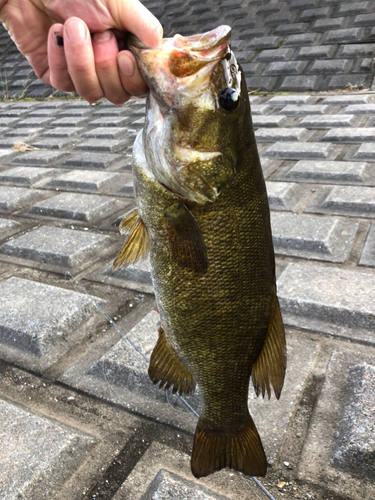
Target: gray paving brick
<point x="111" y="145"/>
<point x="299" y="150"/>
<point x="259" y="109"/>
<point x="302" y="39"/>
<point x="342" y="81"/>
<point x="126" y="189"/>
<point x="285" y="195"/>
<point x="265" y="42"/>
<point x="331" y="171"/>
<point x="343" y="421"/>
<point x="328" y="121"/>
<point x="312" y="237"/>
<point x="15" y="198"/>
<point x="363" y="134"/>
<point x="301" y="83"/>
<point x="91" y="160"/>
<point x="74" y="206"/>
<point x="344" y="35"/>
<point x="28" y="134"/>
<point x="365" y="152"/>
<point x="6" y="155"/>
<point x="24" y="176"/>
<point x="7" y="122"/>
<point x="56" y="246"/>
<point x="330" y="23"/>
<point x="260" y="82"/>
<point x="368" y="253"/>
<point x="359" y="109"/>
<point x="39" y="322"/>
<point x="90" y="181"/>
<point x="135" y="276"/>
<point x="279" y="18"/>
<point x="34" y="122"/>
<point x="345" y="200"/>
<point x="304" y="109"/>
<point x="356" y="50"/>
<point x="48" y="158"/>
<point x="291" y="29"/>
<point x="286" y="68"/>
<point x="331" y="67"/>
<point x="317" y="52"/>
<point x="38" y="453"/>
<point x="355" y="8"/>
<point x="346" y="100"/>
<point x="283" y="100"/>
<point x="107" y="132"/>
<point x="63" y="132"/>
<point x="55" y="143"/>
<point x="7" y="226"/>
<point x="327" y="299"/>
<point x="365" y="20"/>
<point x="43" y="112"/>
<point x="110" y="121"/>
<point x="281" y="134"/>
<point x="275" y="55"/>
<point x="74" y="113"/>
<point x="311" y="14"/>
<point x="269" y="166"/>
<point x="67" y="121"/>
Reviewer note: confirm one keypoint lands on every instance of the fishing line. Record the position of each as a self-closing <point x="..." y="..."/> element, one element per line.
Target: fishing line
<point x="146" y="360"/>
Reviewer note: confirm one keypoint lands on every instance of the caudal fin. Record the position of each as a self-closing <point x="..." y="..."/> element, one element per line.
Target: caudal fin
<point x="241" y="450"/>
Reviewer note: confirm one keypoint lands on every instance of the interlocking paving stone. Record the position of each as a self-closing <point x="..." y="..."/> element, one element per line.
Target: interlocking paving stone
<point x="360" y="109"/>
<point x="54" y="143"/>
<point x="83" y="207"/>
<point x="265" y="42"/>
<point x="15" y="198"/>
<point x="56" y="246"/>
<point x="350" y="134"/>
<point x="39" y="322"/>
<point x="84" y="180"/>
<point x="368" y="254"/>
<point x="304" y="109"/>
<point x="303" y="39"/>
<point x="33" y="122"/>
<point x="297" y="150"/>
<point x="39" y="158"/>
<point x="344" y="35"/>
<point x="328" y="121"/>
<point x="111" y="145"/>
<point x="6" y="155"/>
<point x="285" y="68"/>
<point x="284" y="100"/>
<point x="27" y="133"/>
<point x="317" y="51"/>
<point x="365" y="152"/>
<point x="7" y="226"/>
<point x="110" y="121"/>
<point x="329" y="67"/>
<point x="25" y="176"/>
<point x="343" y="420"/>
<point x="259" y="109"/>
<point x="38" y="454"/>
<point x="63" y="132"/>
<point x="312" y="237"/>
<point x="282" y="134"/>
<point x="329" y="300"/>
<point x="135" y="276"/>
<point x="285" y="195"/>
<point x="275" y="55"/>
<point x="91" y="160"/>
<point x="67" y="122"/>
<point x="345" y="200"/>
<point x="106" y="132"/>
<point x="269" y="120"/>
<point x="339" y="172"/>
<point x="345" y="100"/>
<point x="357" y="50"/>
<point x="127" y="189"/>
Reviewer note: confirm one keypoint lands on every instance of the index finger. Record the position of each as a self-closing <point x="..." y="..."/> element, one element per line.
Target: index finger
<point x="134" y="17"/>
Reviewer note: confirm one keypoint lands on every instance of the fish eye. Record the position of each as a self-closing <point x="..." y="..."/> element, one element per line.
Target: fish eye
<point x="229" y="99"/>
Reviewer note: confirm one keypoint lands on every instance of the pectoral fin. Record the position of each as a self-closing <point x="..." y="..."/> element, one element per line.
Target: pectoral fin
<point x="168" y="369"/>
<point x="137" y="245"/>
<point x="269" y="368"/>
<point x="185" y="239"/>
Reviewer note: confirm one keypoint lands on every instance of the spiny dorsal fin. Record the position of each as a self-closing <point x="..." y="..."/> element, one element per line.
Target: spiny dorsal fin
<point x="136" y="246"/>
<point x="185" y="239"/>
<point x="269" y="368"/>
<point x="128" y="221"/>
<point x="168" y="369"/>
<point x="240" y="449"/>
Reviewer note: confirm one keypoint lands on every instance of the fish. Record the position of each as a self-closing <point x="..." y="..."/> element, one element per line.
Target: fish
<point x="203" y="218"/>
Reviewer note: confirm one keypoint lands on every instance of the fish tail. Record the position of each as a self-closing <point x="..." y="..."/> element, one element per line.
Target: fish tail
<point x="240" y="449"/>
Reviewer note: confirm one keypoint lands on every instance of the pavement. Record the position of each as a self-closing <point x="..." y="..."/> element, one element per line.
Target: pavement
<point x="79" y="417"/>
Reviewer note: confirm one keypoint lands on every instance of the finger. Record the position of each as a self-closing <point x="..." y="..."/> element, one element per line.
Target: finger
<point x="58" y="66"/>
<point x="136" y="18"/>
<point x="80" y="60"/>
<point x="129" y="74"/>
<point x="105" y="54"/>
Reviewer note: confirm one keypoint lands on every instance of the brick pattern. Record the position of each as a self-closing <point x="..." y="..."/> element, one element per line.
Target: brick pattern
<point x="333" y="39"/>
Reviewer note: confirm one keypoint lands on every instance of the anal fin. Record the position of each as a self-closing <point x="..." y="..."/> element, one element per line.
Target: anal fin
<point x="269" y="369"/>
<point x="136" y="246"/>
<point x="240" y="449"/>
<point x="167" y="368"/>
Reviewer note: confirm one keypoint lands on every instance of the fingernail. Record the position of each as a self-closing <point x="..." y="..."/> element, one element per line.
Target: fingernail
<point x="59" y="41"/>
<point x="76" y="31"/>
<point x="126" y="65"/>
<point x="102" y="37"/>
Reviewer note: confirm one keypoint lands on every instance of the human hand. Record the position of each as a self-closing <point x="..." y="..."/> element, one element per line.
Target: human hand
<point x="54" y="35"/>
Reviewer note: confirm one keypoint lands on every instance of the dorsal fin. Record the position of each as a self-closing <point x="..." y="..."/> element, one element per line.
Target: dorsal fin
<point x="136" y="246"/>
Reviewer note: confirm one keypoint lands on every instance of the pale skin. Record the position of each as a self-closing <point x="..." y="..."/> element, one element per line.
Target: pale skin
<point x="78" y="45"/>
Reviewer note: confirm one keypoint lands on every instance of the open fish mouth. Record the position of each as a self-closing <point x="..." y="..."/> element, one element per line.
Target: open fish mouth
<point x="182" y="98"/>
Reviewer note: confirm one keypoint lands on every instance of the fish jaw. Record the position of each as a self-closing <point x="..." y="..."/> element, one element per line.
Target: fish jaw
<point x="183" y="130"/>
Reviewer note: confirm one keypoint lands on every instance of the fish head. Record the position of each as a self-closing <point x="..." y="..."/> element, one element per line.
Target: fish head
<point x="196" y="108"/>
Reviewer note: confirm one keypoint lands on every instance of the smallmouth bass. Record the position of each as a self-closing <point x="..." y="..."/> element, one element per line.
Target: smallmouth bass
<point x="202" y="214"/>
